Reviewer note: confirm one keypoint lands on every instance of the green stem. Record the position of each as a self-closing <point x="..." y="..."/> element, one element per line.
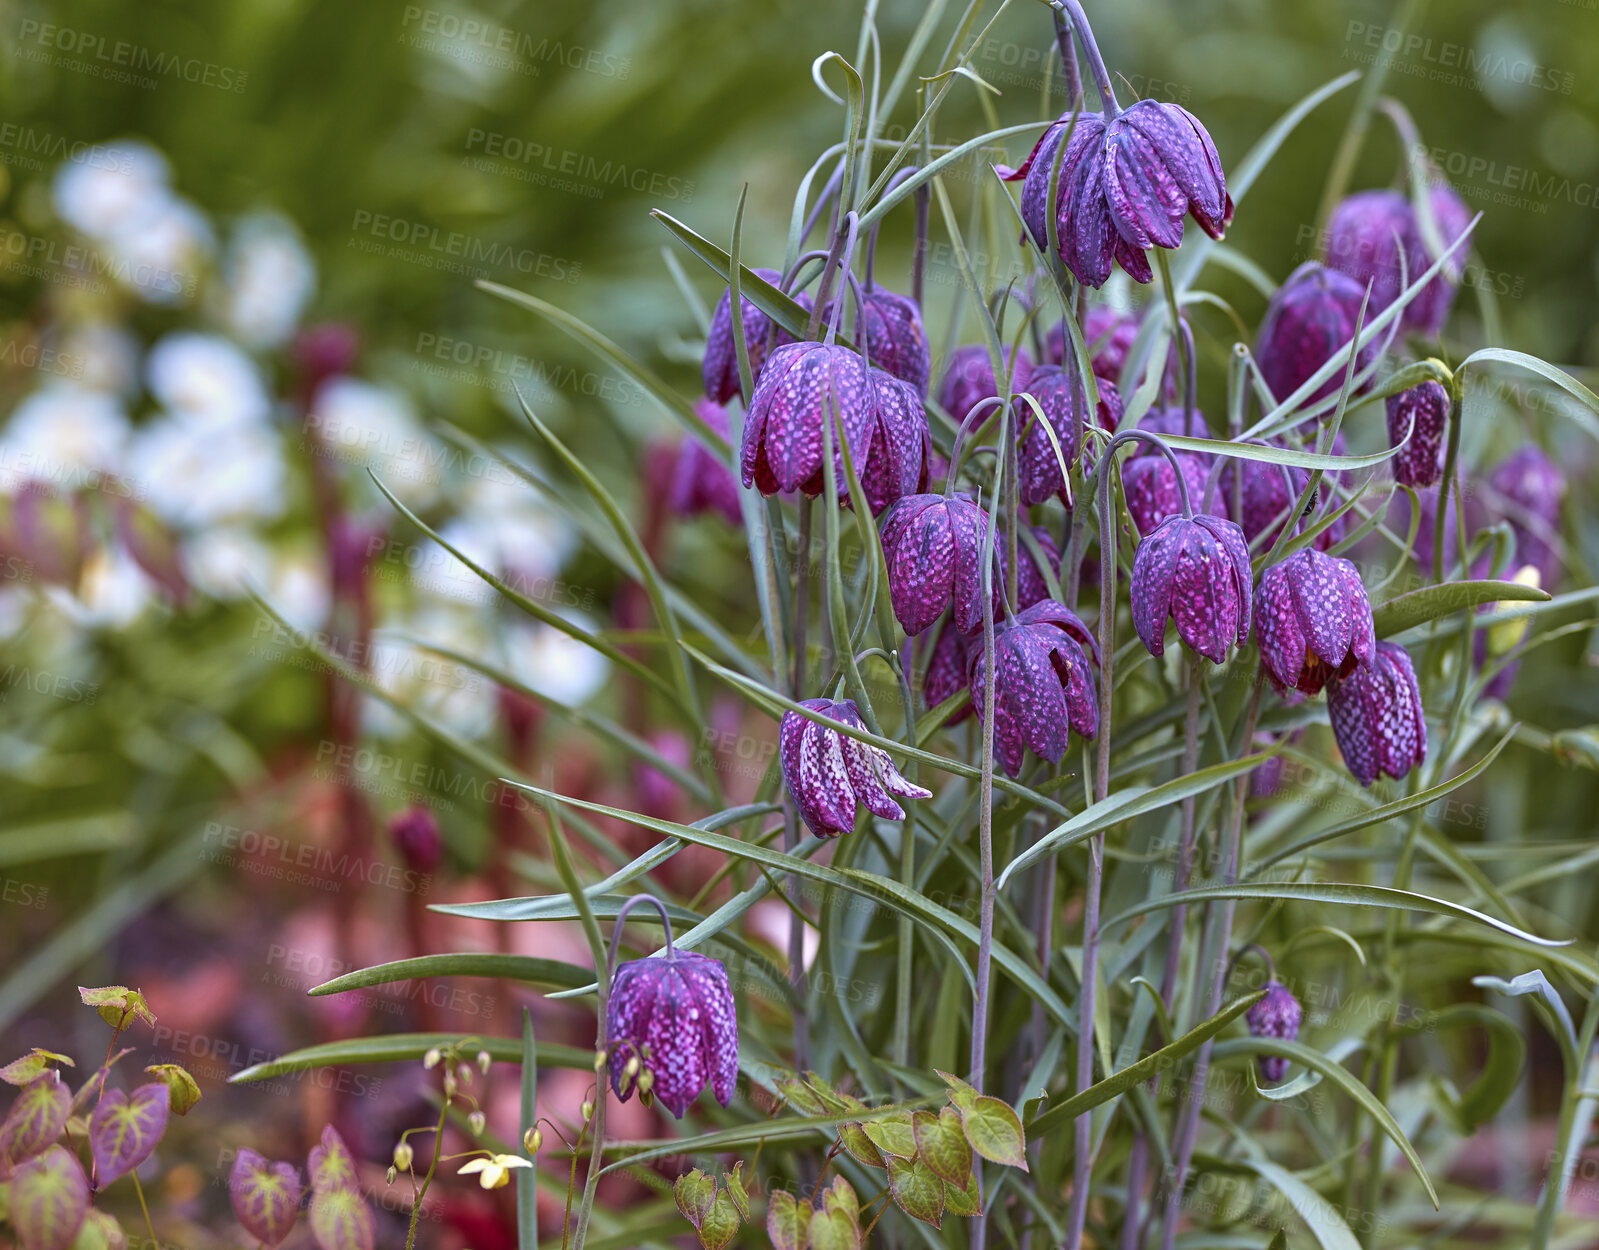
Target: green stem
<point x="421" y="1194"/>
<point x="139" y="1189"/>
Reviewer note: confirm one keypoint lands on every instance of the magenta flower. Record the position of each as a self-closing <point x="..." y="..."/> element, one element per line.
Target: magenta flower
<point x="897" y="463"/>
<point x="802" y="386"/>
<point x="1276" y="1015"/>
<point x="1312" y="621"/>
<point x="696" y="480"/>
<point x="889" y="330"/>
<point x="1266" y="494"/>
<point x="1126" y="183"/>
<point x="1376" y="716"/>
<point x="969" y="379"/>
<point x="1376" y="237"/>
<point x="1043" y="685"/>
<point x="1196" y="571"/>
<point x="1530" y="488"/>
<point x="1310" y="317"/>
<point x="674" y="1014"/>
<point x="1150" y="484"/>
<point x="948" y="665"/>
<point x="415" y="831"/>
<point x="829" y="774"/>
<point x="933" y="546"/>
<point x="1421" y="461"/>
<point x="1031" y="586"/>
<point x="1064" y="401"/>
<point x="720" y="366"/>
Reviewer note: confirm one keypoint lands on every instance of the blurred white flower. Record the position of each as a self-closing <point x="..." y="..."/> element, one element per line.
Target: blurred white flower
<point x="207" y="378"/>
<point x="224" y="561"/>
<point x="63" y="434"/>
<point x="298" y="589"/>
<point x="15" y="606"/>
<point x="115" y="187"/>
<point x="112" y="592"/>
<point x="369" y="426"/>
<point x="444" y="692"/>
<point x="270" y="278"/>
<point x="192" y="474"/>
<point x="159" y="257"/>
<point x="553" y="663"/>
<point x="104" y="356"/>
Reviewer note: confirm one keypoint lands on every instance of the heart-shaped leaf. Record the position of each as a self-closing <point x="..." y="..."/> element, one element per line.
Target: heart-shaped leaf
<point x="125" y="1128"/>
<point x="721" y="1223"/>
<point x="694" y="1193"/>
<point x="788" y="1222"/>
<point x="331" y="1164"/>
<point x="117" y="1004"/>
<point x="859" y="1145"/>
<point x="265" y="1195"/>
<point x="916" y="1190"/>
<point x="834" y="1230"/>
<point x="32" y="1066"/>
<point x="840" y="1196"/>
<point x="995" y="1132"/>
<point x="341" y="1220"/>
<point x="36" y="1119"/>
<point x="49" y="1198"/>
<point x="892" y="1135"/>
<point x="963" y="1201"/>
<point x="100" y="1232"/>
<point x="941" y="1143"/>
<point x="734" y="1181"/>
<point x="183" y="1091"/>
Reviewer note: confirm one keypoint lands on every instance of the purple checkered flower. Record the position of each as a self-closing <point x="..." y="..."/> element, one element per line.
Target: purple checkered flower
<point x="1376" y="237"/>
<point x="1150" y="484"/>
<point x="1109" y="335"/>
<point x="1043" y="685"/>
<point x="1064" y="401"/>
<point x="1429" y="311"/>
<point x="670" y="1029"/>
<point x="719" y="369"/>
<point x="829" y="774"/>
<point x="1276" y="1015"/>
<point x="969" y="379"/>
<point x="933" y="545"/>
<point x="1530" y="488"/>
<point x="889" y="330"/>
<point x="1266" y="493"/>
<point x="897" y="464"/>
<point x="804" y="388"/>
<point x="1127" y="180"/>
<point x="1312" y="621"/>
<point x="1420" y="463"/>
<point x="1196" y="571"/>
<point x="1311" y="316"/>
<point x="700" y="482"/>
<point x="1376" y="716"/>
<point x="948" y="665"/>
<point x="1031" y="585"/>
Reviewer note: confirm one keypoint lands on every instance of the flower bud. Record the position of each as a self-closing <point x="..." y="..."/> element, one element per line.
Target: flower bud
<point x="389" y="1176"/>
<point x="1276" y="1015"/>
<point x="478" y="1122"/>
<point x="404" y="1156"/>
<point x="431" y="1059"/>
<point x="532" y="1140"/>
<point x="415" y="833"/>
<point x="483" y="1061"/>
<point x="1507" y="635"/>
<point x="588" y="1111"/>
<point x="449" y="1084"/>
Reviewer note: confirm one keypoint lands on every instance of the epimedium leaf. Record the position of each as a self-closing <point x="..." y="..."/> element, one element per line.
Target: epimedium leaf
<point x="100" y="1232"/>
<point x="1418" y="607"/>
<point x="859" y="1146"/>
<point x="893" y="1135"/>
<point x="405" y="1047"/>
<point x="788" y="1222"/>
<point x="49" y="1198"/>
<point x="331" y="1164"/>
<point x="963" y="1199"/>
<point x="32" y="1066"/>
<point x="916" y="1190"/>
<point x="125" y="1128"/>
<point x="941" y="1143"/>
<point x="721" y="1223"/>
<point x="265" y="1195"/>
<point x="833" y="1229"/>
<point x="342" y="1220"/>
<point x="734" y="1183"/>
<point x="840" y="1196"/>
<point x="117" y="1004"/>
<point x="694" y="1192"/>
<point x="183" y="1091"/>
<point x="35" y="1119"/>
<point x="523" y="968"/>
<point x="995" y="1131"/>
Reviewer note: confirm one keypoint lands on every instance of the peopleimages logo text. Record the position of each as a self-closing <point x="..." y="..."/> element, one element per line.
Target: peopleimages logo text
<point x="99" y="52"/>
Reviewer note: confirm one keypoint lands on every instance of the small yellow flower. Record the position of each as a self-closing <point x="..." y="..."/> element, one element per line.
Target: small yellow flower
<point x="496" y="1169"/>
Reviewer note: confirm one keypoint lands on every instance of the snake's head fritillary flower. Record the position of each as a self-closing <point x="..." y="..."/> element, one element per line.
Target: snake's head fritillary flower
<point x="1125" y="185"/>
<point x="829" y="774"/>
<point x="1196" y="571"/>
<point x="415" y="832"/>
<point x="1530" y="488"/>
<point x="1312" y="621"/>
<point x="891" y="336"/>
<point x="1108" y="334"/>
<point x="1376" y="716"/>
<point x="969" y="379"/>
<point x="1276" y="1015"/>
<point x="897" y="464"/>
<point x="699" y="481"/>
<point x="1063" y="399"/>
<point x="1428" y="312"/>
<point x="948" y="664"/>
<point x="1266" y="493"/>
<point x="672" y="1013"/>
<point x="1311" y="316"/>
<point x="1031" y="585"/>
<point x="1150" y="484"/>
<point x="1043" y="684"/>
<point x="933" y="546"/>
<point x="1377" y="237"/>
<point x="1420" y="463"/>
<point x="719" y="369"/>
<point x="804" y="389"/>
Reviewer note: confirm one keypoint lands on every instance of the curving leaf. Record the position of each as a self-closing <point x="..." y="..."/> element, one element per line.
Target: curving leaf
<point x="49" y="1199"/>
<point x="32" y="1066"/>
<point x="472" y="964"/>
<point x="1553" y="1007"/>
<point x="941" y="1143"/>
<point x="788" y="1222"/>
<point x="1321" y="1215"/>
<point x="963" y="1199"/>
<point x="402" y="1048"/>
<point x="125" y="1128"/>
<point x="331" y="1164"/>
<point x="1431" y="602"/>
<point x="341" y="1220"/>
<point x="117" y="1004"/>
<point x="694" y="1192"/>
<point x="183" y="1091"/>
<point x="1278" y="455"/>
<point x="1501" y="1073"/>
<point x="35" y="1119"/>
<point x="265" y="1195"/>
<point x="995" y="1131"/>
<point x="1547" y="371"/>
<point x="916" y="1190"/>
<point x="893" y="1135"/>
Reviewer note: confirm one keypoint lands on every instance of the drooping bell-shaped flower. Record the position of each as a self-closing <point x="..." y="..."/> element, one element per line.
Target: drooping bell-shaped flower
<point x="1265" y="495"/>
<point x="1312" y="621"/>
<point x="1311" y="316"/>
<point x="933" y="546"/>
<point x="1377" y="237"/>
<point x="1196" y="571"/>
<point x="897" y="464"/>
<point x="1109" y="333"/>
<point x="1063" y="399"/>
<point x="948" y="664"/>
<point x="1150" y="484"/>
<point x="829" y="774"/>
<point x="1420" y="463"/>
<point x="1043" y="684"/>
<point x="1126" y="183"/>
<point x="1031" y="585"/>
<point x="1428" y="312"/>
<point x="700" y="482"/>
<point x="969" y="379"/>
<point x="671" y="1029"/>
<point x="890" y="334"/>
<point x="1276" y="1015"/>
<point x="720" y="366"/>
<point x="1530" y="488"/>
<point x="415" y="832"/>
<point x="804" y="389"/>
<point x="1376" y="715"/>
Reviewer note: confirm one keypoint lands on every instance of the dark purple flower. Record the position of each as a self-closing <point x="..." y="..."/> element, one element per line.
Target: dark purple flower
<point x="1266" y="494"/>
<point x="1530" y="488"/>
<point x="720" y="367"/>
<point x="891" y="336"/>
<point x="1043" y="685"/>
<point x="1427" y="313"/>
<point x="415" y="832"/>
<point x="1150" y="484"/>
<point x="1421" y="461"/>
<point x="700" y="481"/>
<point x="1310" y="317"/>
<point x="1376" y="237"/>
<point x="803" y="386"/>
<point x="829" y="774"/>
<point x="897" y="464"/>
<point x="948" y="664"/>
<point x="674" y="1014"/>
<point x="1312" y="621"/>
<point x="1197" y="572"/>
<point x="934" y="550"/>
<point x="1276" y="1015"/>
<point x="969" y="379"/>
<point x="1125" y="185"/>
<point x="1064" y="401"/>
<point x="1376" y="715"/>
<point x="1031" y="585"/>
